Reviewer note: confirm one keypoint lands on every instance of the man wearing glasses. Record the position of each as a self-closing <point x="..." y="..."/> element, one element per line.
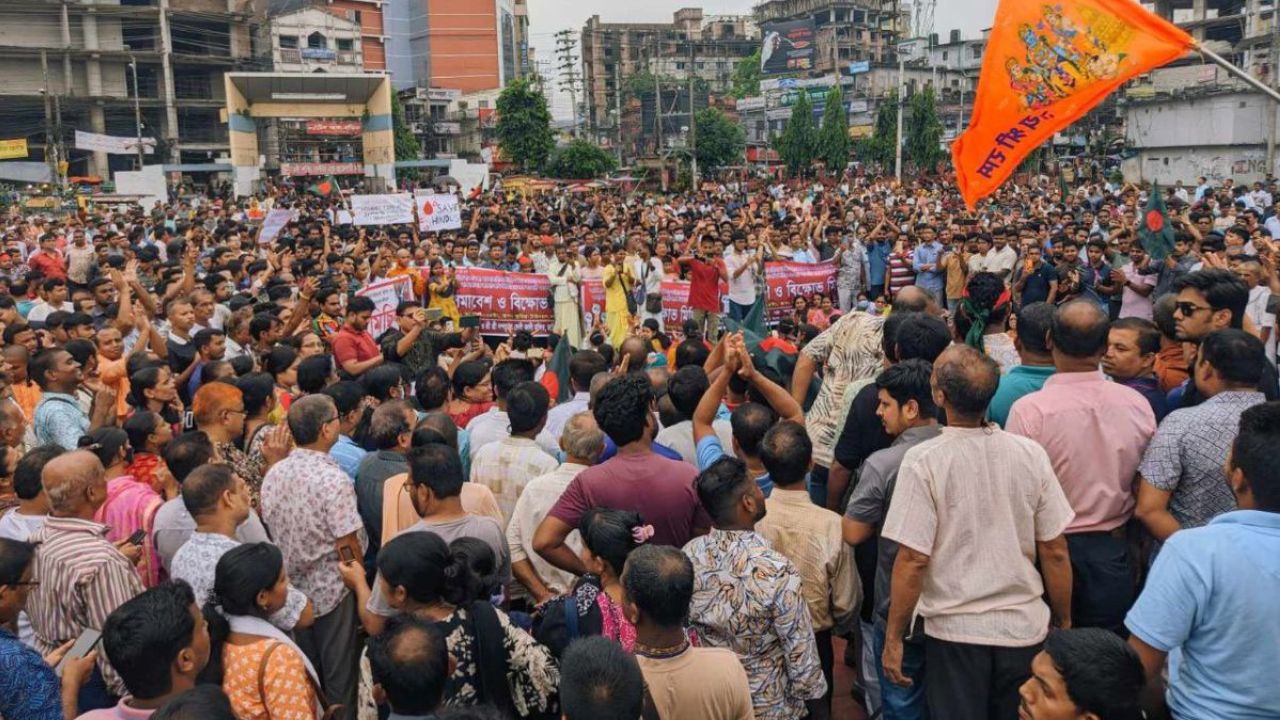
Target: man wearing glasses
<point x="310" y="505"/>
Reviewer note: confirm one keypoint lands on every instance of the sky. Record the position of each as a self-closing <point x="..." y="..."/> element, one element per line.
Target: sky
<point x="546" y="17"/>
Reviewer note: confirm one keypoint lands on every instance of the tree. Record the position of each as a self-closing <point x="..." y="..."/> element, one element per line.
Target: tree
<point x="798" y="145"/>
<point x="746" y="76"/>
<point x="406" y="143"/>
<point x="879" y="148"/>
<point x="524" y="125"/>
<point x="719" y="141"/>
<point x="580" y="160"/>
<point x="833" y="137"/>
<point x="924" y="134"/>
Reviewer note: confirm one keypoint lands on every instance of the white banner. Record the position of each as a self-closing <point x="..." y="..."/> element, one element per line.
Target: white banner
<point x="391" y="209"/>
<point x="438" y="212"/>
<point x="272" y="225"/>
<point x="112" y="144"/>
<point x="386" y="295"/>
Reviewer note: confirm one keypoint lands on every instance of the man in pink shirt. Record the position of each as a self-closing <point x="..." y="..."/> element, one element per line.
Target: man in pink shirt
<point x="1095" y="433"/>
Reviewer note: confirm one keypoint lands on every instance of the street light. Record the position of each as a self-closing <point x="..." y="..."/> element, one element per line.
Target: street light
<point x="137" y="103"/>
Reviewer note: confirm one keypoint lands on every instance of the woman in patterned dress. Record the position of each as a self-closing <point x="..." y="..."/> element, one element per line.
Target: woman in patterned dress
<point x="264" y="674"/>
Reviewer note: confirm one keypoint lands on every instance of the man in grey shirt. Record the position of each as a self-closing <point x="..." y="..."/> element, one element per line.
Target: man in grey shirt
<point x="908" y="412"/>
<point x="173" y="525"/>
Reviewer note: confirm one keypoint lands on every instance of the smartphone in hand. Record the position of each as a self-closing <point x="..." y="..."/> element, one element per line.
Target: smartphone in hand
<point x="346" y="554"/>
<point x="137" y="537"/>
<point x="88" y="640"/>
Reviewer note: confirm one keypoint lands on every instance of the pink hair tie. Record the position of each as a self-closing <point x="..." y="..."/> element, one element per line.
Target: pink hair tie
<point x="641" y="533"/>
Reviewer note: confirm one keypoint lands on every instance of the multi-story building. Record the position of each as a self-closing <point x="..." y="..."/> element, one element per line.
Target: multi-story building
<point x="71" y="66"/>
<point x="846" y="31"/>
<point x="1192" y="119"/>
<point x="315" y="39"/>
<point x="466" y="45"/>
<point x="367" y="15"/>
<point x="692" y="46"/>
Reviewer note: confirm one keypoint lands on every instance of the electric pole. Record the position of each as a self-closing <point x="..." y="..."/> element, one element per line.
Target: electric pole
<point x="617" y="102"/>
<point x="1275" y="83"/>
<point x="566" y="53"/>
<point x="693" y="118"/>
<point x="50" y="148"/>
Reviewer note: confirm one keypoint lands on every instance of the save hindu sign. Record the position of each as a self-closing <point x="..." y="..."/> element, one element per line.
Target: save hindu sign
<point x="1046" y="65"/>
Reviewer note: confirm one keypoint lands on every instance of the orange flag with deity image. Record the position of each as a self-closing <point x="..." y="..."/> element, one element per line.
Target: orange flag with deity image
<point x="1046" y="65"/>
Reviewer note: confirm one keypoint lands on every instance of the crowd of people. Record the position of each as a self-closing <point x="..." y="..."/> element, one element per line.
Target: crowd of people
<point x="1021" y="463"/>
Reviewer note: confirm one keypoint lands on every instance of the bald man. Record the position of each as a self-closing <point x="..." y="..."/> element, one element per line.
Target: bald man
<point x="83" y="576"/>
<point x="975" y="486"/>
<point x="1095" y="432"/>
<point x="13" y="424"/>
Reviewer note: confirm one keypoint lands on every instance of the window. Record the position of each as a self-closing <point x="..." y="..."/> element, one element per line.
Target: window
<point x="317" y="41"/>
<point x="289" y="41"/>
<point x="484" y="104"/>
<point x="346" y="44"/>
<point x="944" y="56"/>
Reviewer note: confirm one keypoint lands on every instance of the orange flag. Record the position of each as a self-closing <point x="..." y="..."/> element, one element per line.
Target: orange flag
<point x="1046" y="65"/>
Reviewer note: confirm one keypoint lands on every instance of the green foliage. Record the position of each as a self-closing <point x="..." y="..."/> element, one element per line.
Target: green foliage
<point x="923" y="142"/>
<point x="720" y="142"/>
<point x="798" y="146"/>
<point x="833" y="137"/>
<point x="580" y="160"/>
<point x="406" y="143"/>
<point x="879" y="148"/>
<point x="746" y="76"/>
<point x="524" y="125"/>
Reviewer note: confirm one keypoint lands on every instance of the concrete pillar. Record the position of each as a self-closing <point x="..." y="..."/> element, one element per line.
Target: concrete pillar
<point x="98" y="123"/>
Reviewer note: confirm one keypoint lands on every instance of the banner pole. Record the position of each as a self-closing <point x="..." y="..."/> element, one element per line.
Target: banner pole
<point x="1220" y="61"/>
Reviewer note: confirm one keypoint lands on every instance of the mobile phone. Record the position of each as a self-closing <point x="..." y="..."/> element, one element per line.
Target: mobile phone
<point x="469" y="321"/>
<point x="84" y="644"/>
<point x="137" y="537"/>
<point x="434" y="314"/>
<point x="347" y="554"/>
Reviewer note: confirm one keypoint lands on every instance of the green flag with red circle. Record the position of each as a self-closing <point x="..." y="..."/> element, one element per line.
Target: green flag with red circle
<point x="1155" y="232"/>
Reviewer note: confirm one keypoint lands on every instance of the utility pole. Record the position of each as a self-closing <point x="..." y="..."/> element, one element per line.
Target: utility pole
<point x="50" y="149"/>
<point x="902" y="91"/>
<point x="617" y="103"/>
<point x="693" y="117"/>
<point x="137" y="105"/>
<point x="566" y="45"/>
<point x="1275" y="83"/>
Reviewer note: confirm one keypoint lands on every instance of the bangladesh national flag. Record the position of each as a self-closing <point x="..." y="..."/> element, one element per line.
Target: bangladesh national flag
<point x="1155" y="232"/>
<point x="326" y="187"/>
<point x="558" y="369"/>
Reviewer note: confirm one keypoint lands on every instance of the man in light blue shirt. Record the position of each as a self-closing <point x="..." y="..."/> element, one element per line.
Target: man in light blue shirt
<point x="925" y="261"/>
<point x="347" y="396"/>
<point x="1210" y="602"/>
<point x="58" y="418"/>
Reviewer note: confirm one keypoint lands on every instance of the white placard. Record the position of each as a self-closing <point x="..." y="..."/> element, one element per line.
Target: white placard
<point x="273" y="224"/>
<point x="438" y="212"/>
<point x="390" y="209"/>
<point x="112" y="144"/>
<point x="386" y="296"/>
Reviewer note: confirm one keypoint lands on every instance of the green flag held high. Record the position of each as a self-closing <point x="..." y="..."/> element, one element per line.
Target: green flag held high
<point x="1154" y="232"/>
<point x="558" y="366"/>
<point x="326" y="187"/>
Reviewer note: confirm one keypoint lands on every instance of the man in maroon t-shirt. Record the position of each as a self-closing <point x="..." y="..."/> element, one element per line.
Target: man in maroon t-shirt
<point x="353" y="346"/>
<point x="660" y="490"/>
<point x="705" y="273"/>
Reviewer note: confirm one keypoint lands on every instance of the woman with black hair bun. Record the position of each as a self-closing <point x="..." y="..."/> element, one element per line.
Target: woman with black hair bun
<point x="497" y="663"/>
<point x="982" y="320"/>
<point x="594" y="606"/>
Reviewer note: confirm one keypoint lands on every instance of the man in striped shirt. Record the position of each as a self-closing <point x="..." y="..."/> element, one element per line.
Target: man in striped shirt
<point x="82" y="576"/>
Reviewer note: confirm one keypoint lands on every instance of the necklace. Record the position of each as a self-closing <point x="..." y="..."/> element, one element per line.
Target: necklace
<point x="661" y="653"/>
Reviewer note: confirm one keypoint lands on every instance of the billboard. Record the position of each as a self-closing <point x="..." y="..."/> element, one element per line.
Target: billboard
<point x="788" y="47"/>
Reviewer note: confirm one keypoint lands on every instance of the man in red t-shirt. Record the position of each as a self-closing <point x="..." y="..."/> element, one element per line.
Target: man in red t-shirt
<point x="705" y="274"/>
<point x="353" y="346"/>
<point x="48" y="260"/>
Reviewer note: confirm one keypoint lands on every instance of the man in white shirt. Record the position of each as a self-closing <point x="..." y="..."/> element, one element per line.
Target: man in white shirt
<point x="975" y="486"/>
<point x="741" y="265"/>
<point x="53" y="296"/>
<point x="507" y="465"/>
<point x="685" y="389"/>
<point x="494" y="425"/>
<point x="649" y="275"/>
<point x="583" y="366"/>
<point x="1259" y="298"/>
<point x="1002" y="259"/>
<point x="582" y="443"/>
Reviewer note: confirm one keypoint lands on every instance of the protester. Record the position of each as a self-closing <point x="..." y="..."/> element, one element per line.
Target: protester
<point x="1035" y="361"/>
<point x="391" y="429"/>
<point x="1085" y="673"/>
<point x="409" y="663"/>
<point x="945" y="504"/>
<point x="748" y="597"/>
<point x="505" y="466"/>
<point x="600" y="681"/>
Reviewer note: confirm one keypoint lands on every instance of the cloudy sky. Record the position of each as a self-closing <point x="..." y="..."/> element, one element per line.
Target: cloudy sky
<point x="546" y="17"/>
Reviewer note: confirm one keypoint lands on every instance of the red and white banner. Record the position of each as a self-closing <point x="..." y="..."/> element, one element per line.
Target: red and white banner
<point x="790" y="280"/>
<point x="308" y="169"/>
<point x="386" y="295"/>
<point x="344" y="128"/>
<point x="675" y="305"/>
<point x="506" y="302"/>
<point x="592" y="296"/>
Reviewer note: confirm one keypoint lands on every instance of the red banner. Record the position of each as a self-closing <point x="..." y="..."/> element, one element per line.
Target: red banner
<point x="309" y="169"/>
<point x="506" y="302"/>
<point x="593" y="295"/>
<point x="790" y="280"/>
<point x="675" y="306"/>
<point x="345" y="128"/>
<point x="386" y="295"/>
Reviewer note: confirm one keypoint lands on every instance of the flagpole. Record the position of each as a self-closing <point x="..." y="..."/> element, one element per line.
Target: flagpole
<point x="1220" y="61"/>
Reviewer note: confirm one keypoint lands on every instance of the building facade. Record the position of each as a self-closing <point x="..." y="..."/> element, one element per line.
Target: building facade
<point x="316" y="40"/>
<point x="693" y="45"/>
<point x="1191" y="119"/>
<point x="846" y="31"/>
<point x="465" y="45"/>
